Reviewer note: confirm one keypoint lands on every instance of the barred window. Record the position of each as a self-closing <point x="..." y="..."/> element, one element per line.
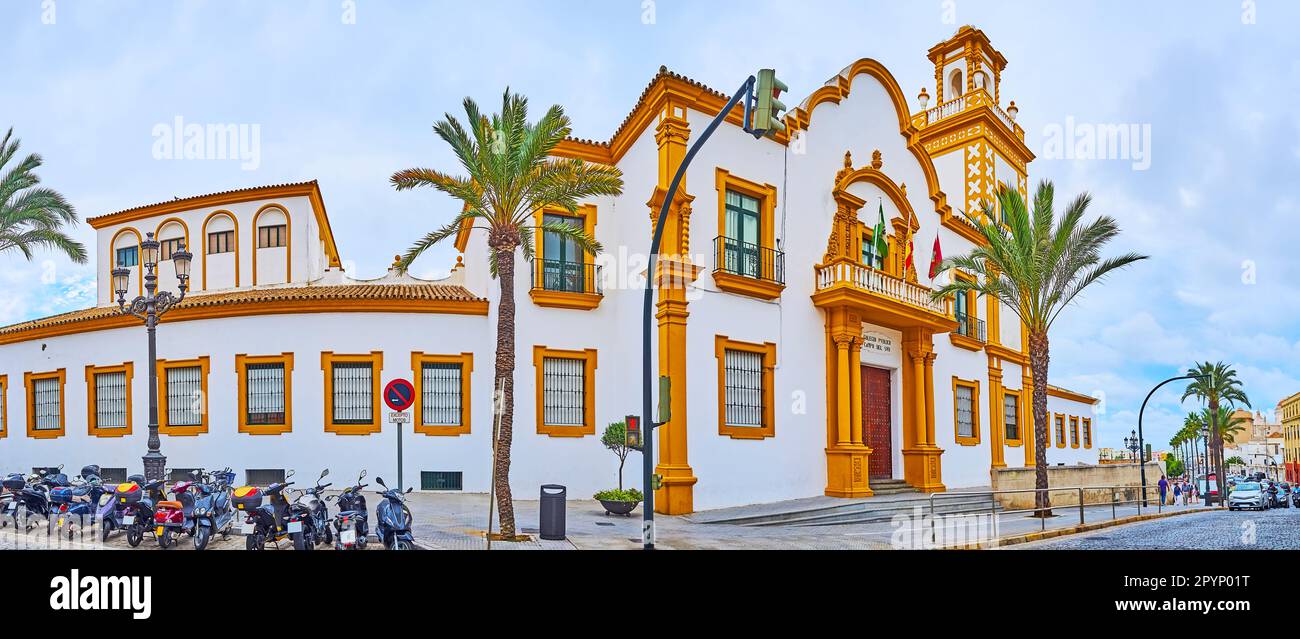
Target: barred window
<point x="1087" y="433"/>
<point x="1060" y="430"/>
<point x="110" y="400"/>
<point x="441" y="403"/>
<point x="4" y="407"/>
<point x="47" y="404"/>
<point x="221" y="242"/>
<point x="353" y="400"/>
<point x="265" y="394"/>
<point x="965" y="411"/>
<point x="272" y="236"/>
<point x="171" y="246"/>
<point x="744" y="388"/>
<point x="184" y="395"/>
<point x="564" y="389"/>
<point x="1011" y="416"/>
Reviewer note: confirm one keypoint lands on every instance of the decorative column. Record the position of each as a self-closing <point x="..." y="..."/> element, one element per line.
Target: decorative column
<point x="674" y="273"/>
<point x="921" y="457"/>
<point x="997" y="429"/>
<point x="847" y="456"/>
<point x="855" y="391"/>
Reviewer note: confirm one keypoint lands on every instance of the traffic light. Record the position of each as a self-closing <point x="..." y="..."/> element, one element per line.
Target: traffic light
<point x="768" y="110"/>
<point x="633" y="436"/>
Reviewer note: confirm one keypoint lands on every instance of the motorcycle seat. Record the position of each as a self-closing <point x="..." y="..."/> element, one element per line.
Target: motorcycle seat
<point x="169" y="504"/>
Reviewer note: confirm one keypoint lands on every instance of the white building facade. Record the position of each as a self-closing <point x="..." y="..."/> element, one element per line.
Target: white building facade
<point x="802" y="361"/>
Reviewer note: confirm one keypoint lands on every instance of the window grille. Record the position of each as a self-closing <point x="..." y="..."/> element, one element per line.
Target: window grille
<point x="47" y="406"/>
<point x="184" y="396"/>
<point x="353" y="393"/>
<point x="1011" y="413"/>
<point x="440" y="385"/>
<point x="965" y="411"/>
<point x="265" y="399"/>
<point x="744" y="388"/>
<point x="564" y="391"/>
<point x="110" y="400"/>
<point x="441" y="480"/>
<point x="263" y="476"/>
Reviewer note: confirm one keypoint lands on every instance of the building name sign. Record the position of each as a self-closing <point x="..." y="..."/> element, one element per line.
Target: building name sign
<point x="877" y="343"/>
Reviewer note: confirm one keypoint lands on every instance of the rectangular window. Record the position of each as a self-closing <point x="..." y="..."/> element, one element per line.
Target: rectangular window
<point x="1074" y="432"/>
<point x="1060" y="431"/>
<point x="184" y="396"/>
<point x="265" y="395"/>
<point x="440" y="385"/>
<point x="110" y="400"/>
<point x="742" y="238"/>
<point x="167" y="247"/>
<point x="181" y="474"/>
<point x="966" y="407"/>
<point x="869" y="256"/>
<point x="221" y="242"/>
<point x="564" y="390"/>
<point x="271" y="236"/>
<point x="1087" y="433"/>
<point x="353" y="393"/>
<point x="47" y="404"/>
<point x="128" y="256"/>
<point x="1011" y="416"/>
<point x="112" y="476"/>
<point x="745" y="388"/>
<point x="562" y="260"/>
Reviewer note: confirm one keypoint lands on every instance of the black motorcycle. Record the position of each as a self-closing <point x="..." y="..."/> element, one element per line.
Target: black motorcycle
<point x="265" y="522"/>
<point x="351" y="524"/>
<point x="309" y="517"/>
<point x="393" y="518"/>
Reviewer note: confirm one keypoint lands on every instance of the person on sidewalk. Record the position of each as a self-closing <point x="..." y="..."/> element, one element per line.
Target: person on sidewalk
<point x="1164" y="490"/>
<point x="1178" y="493"/>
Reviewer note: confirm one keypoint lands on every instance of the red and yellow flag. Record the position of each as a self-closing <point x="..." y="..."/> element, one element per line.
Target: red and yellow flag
<point x="936" y="258"/>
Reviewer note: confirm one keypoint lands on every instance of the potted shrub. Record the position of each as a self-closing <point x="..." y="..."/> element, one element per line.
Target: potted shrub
<point x="619" y="501"/>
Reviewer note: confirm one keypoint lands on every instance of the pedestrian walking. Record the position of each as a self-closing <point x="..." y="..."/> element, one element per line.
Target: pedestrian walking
<point x="1178" y="493"/>
<point x="1164" y="490"/>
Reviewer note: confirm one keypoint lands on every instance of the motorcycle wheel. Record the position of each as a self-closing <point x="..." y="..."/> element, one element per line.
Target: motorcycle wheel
<point x="134" y="535"/>
<point x="105" y="528"/>
<point x="402" y="545"/>
<point x="254" y="542"/>
<point x="328" y="538"/>
<point x="201" y="536"/>
<point x="166" y="539"/>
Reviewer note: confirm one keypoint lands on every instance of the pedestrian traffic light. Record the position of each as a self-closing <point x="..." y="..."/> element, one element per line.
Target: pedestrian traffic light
<point x="768" y="110"/>
<point x="633" y="438"/>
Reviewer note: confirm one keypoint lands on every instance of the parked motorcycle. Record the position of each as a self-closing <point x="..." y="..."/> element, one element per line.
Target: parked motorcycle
<point x="309" y="518"/>
<point x="176" y="517"/>
<point x="80" y="499"/>
<point x="265" y="521"/>
<point x="135" y="501"/>
<point x="212" y="510"/>
<point x="30" y="497"/>
<point x="351" y="524"/>
<point x="393" y="519"/>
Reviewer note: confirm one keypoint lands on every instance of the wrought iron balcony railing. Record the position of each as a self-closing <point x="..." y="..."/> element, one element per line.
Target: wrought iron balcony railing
<point x="748" y="260"/>
<point x="971" y="326"/>
<point x="567" y="277"/>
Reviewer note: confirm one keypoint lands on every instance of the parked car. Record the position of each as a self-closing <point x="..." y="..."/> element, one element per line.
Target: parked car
<point x="1249" y="495"/>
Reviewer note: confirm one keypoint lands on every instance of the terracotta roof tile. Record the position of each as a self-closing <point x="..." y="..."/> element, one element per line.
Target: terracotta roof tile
<point x="206" y="195"/>
<point x="640" y="102"/>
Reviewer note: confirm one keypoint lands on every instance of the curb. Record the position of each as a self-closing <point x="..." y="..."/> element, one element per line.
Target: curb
<point x="1082" y="528"/>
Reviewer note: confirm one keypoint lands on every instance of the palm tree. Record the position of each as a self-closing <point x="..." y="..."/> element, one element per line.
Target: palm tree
<point x="32" y="217"/>
<point x="1036" y="264"/>
<point x="509" y="176"/>
<point x="1217" y="385"/>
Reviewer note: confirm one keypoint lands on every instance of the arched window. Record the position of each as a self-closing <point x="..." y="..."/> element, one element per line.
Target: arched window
<point x="956" y="84"/>
<point x="271" y="236"/>
<point x="220" y="251"/>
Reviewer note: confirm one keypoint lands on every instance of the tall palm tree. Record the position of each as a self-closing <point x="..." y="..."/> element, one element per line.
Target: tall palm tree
<point x="509" y="175"/>
<point x="1217" y="385"/>
<point x="1036" y="264"/>
<point x="32" y="217"/>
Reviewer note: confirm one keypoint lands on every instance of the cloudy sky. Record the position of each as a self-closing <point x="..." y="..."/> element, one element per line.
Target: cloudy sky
<point x="345" y="92"/>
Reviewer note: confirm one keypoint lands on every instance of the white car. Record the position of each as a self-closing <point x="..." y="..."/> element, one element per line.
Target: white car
<point x="1248" y="495"/>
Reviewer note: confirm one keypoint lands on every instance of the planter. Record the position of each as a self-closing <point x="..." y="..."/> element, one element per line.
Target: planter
<point x="623" y="508"/>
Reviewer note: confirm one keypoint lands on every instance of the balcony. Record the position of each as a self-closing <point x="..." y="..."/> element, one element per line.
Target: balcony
<point x="970" y="333"/>
<point x="881" y="298"/>
<point x="969" y="102"/>
<point x="748" y="269"/>
<point x="572" y="285"/>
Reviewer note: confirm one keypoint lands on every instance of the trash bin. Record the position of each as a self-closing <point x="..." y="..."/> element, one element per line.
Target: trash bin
<point x="551" y="525"/>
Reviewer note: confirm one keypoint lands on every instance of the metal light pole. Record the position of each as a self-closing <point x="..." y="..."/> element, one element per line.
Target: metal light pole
<point x="1205" y="466"/>
<point x="149" y="307"/>
<point x="1142" y="463"/>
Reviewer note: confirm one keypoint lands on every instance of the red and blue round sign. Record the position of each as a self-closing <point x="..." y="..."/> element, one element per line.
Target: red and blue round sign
<point x="399" y="394"/>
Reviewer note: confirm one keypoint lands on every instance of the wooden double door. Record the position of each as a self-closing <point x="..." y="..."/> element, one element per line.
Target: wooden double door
<point x="877" y="421"/>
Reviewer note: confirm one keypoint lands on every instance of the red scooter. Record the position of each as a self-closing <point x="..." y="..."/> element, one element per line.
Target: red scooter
<point x="175" y="517"/>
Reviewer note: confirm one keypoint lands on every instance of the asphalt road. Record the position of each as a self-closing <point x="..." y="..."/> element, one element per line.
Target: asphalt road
<point x="1276" y="529"/>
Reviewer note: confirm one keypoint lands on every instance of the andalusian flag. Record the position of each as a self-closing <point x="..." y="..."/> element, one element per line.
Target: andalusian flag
<point x="878" y="236"/>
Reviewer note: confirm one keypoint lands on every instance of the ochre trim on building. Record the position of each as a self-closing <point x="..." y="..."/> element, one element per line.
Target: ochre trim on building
<point x="4" y="406"/>
<point x="589" y="298"/>
<point x="157" y="233"/>
<point x="1062" y="393"/>
<point x="288" y="241"/>
<point x="241" y="373"/>
<point x="1074" y="432"/>
<point x="722" y="344"/>
<point x="588" y="427"/>
<point x="466" y="361"/>
<point x="165" y="365"/>
<point x="1087" y="432"/>
<point x="92" y="416"/>
<point x="310" y="190"/>
<point x="235" y="220"/>
<point x="974" y="385"/>
<point x="29" y="380"/>
<point x="1020" y="415"/>
<point x="327" y="361"/>
<point x="1058" y="429"/>
<point x="763" y="287"/>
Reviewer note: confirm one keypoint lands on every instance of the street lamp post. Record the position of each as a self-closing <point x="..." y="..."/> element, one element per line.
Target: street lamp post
<point x="1205" y="467"/>
<point x="149" y="307"/>
<point x="1142" y="465"/>
<point x="1134" y="446"/>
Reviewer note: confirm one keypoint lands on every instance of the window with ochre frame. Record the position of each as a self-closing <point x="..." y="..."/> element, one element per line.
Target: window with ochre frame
<point x="751" y="377"/>
<point x="261" y="409"/>
<point x="561" y="387"/>
<point x="1087" y="432"/>
<point x="199" y="403"/>
<point x="1011" y="417"/>
<point x="1058" y="423"/>
<point x="97" y="405"/>
<point x="452" y="374"/>
<point x="747" y="234"/>
<point x="59" y="421"/>
<point x="371" y="424"/>
<point x="967" y="408"/>
<point x="4" y="406"/>
<point x="1074" y="432"/>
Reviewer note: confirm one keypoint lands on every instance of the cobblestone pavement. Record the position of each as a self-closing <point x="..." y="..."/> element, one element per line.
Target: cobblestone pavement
<point x="1277" y="529"/>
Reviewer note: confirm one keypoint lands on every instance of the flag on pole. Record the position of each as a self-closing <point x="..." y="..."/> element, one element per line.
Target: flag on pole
<point x="878" y="236"/>
<point x="936" y="258"/>
<point x="908" y="253"/>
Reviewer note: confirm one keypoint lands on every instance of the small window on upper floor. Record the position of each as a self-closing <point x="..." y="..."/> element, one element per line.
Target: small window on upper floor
<point x="221" y="242"/>
<point x="272" y="236"/>
<point x="128" y="256"/>
<point x="957" y="84"/>
<point x="167" y="247"/>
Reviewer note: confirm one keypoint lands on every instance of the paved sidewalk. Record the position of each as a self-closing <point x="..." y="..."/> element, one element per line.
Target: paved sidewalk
<point x="457" y="522"/>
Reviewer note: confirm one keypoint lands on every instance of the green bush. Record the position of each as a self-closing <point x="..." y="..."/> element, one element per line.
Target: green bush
<point x="630" y="494"/>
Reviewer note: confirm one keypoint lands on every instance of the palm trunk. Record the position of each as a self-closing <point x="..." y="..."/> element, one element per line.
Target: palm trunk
<point x="505" y="380"/>
<point x="1039" y="358"/>
<point x="1216" y="441"/>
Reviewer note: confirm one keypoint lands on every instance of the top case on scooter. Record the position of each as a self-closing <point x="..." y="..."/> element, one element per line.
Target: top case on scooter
<point x="247" y="498"/>
<point x="15" y="482"/>
<point x="129" y="493"/>
<point x="62" y="495"/>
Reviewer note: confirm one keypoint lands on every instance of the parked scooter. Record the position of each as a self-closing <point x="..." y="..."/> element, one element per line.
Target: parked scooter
<point x="30" y="497"/>
<point x="393" y="518"/>
<point x="265" y="522"/>
<point x="351" y="524"/>
<point x="135" y="506"/>
<point x="212" y="510"/>
<point x="176" y="517"/>
<point x="309" y="518"/>
<point x="81" y="499"/>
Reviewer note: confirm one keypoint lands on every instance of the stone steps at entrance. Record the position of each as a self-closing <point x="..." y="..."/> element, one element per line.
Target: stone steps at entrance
<point x="879" y="508"/>
<point x="882" y="487"/>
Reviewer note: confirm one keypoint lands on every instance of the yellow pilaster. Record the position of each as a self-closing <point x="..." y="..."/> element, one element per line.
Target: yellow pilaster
<point x="855" y="391"/>
<point x="921" y="458"/>
<point x="997" y="428"/>
<point x="847" y="457"/>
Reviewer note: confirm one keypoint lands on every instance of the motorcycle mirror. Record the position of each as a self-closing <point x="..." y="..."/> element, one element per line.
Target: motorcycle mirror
<point x="361" y="476"/>
<point x="380" y="481"/>
<point x="289" y="474"/>
<point x="408" y="490"/>
<point x="325" y="472"/>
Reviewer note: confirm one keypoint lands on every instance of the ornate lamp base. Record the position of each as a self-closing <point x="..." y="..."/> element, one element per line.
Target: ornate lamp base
<point x="154" y="466"/>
